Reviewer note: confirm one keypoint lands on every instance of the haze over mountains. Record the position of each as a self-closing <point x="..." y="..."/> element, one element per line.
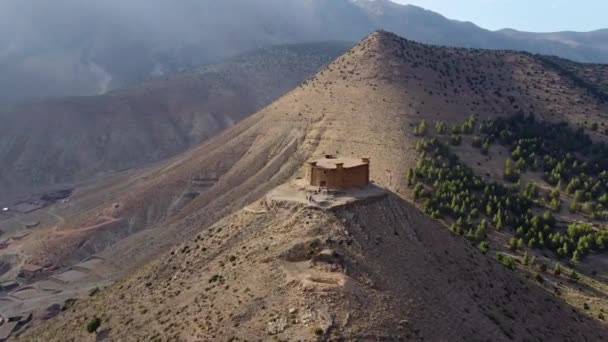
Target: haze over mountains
<point x="70" y="47"/>
<point x="51" y="142"/>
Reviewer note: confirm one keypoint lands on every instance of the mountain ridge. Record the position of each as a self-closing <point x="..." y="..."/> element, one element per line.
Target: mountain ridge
<point x="70" y="61"/>
<point x="49" y="143"/>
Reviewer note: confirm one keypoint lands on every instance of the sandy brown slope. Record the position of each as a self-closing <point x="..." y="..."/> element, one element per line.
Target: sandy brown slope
<point x="374" y="270"/>
<point x="52" y="142"/>
<point x="365" y="103"/>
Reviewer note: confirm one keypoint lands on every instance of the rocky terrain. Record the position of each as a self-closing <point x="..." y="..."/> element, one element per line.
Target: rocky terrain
<point x="374" y="270"/>
<point x="182" y="241"/>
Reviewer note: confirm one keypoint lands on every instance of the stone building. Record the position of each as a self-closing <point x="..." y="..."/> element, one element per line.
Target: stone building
<point x="31" y="271"/>
<point x="338" y="173"/>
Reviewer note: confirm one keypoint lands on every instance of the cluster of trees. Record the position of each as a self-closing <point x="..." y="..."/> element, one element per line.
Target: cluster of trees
<point x="567" y="157"/>
<point x="467" y="127"/>
<point x="448" y="188"/>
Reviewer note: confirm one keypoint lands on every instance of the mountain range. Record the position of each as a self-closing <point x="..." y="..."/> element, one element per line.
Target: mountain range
<point x="68" y="47"/>
<point x="47" y="143"/>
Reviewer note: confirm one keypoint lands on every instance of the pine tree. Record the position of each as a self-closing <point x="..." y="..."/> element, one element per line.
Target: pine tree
<point x="513" y="244"/>
<point x="410" y="177"/>
<point x="440" y="127"/>
<point x="484" y="246"/>
<point x="420" y="130"/>
<point x="557" y="270"/>
<point x="485" y="148"/>
<point x="575" y="257"/>
<point x="482" y="228"/>
<point x="526" y="259"/>
<point x="574" y="276"/>
<point x="510" y="174"/>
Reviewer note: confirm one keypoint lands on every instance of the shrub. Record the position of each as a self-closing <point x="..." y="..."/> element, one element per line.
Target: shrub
<point x="93" y="325"/>
<point x="574" y="276"/>
<point x="557" y="270"/>
<point x="526" y="259"/>
<point x="506" y="261"/>
<point x="455" y="139"/>
<point x="513" y="244"/>
<point x="484" y="246"/>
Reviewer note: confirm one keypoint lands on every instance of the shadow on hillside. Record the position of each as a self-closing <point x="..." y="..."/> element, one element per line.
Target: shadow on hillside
<point x="536" y="298"/>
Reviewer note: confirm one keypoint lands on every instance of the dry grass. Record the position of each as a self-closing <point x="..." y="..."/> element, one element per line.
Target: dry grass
<point x="299" y="273"/>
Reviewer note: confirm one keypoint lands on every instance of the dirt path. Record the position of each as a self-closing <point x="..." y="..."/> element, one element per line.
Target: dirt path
<point x="110" y="220"/>
<point x="60" y="218"/>
<point x="55" y="230"/>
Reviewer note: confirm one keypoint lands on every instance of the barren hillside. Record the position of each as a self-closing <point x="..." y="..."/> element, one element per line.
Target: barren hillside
<point x="366" y="103"/>
<point x="374" y="270"/>
<point x="59" y="141"/>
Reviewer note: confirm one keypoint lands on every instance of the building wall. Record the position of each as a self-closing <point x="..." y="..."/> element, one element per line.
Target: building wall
<point x="339" y="179"/>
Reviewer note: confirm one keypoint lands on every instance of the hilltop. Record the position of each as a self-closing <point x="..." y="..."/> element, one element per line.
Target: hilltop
<point x="368" y="102"/>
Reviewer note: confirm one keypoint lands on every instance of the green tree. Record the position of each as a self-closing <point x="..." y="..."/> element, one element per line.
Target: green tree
<point x="482" y="228"/>
<point x="484" y="246"/>
<point x="574" y="276"/>
<point x="93" y="325"/>
<point x="410" y="177"/>
<point x="575" y="257"/>
<point x="420" y="130"/>
<point x="440" y="127"/>
<point x="513" y="244"/>
<point x="510" y="173"/>
<point x="485" y="148"/>
<point x="555" y="205"/>
<point x="455" y="139"/>
<point x="526" y="259"/>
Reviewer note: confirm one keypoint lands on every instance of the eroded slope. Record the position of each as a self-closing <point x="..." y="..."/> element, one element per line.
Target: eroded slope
<point x="375" y="269"/>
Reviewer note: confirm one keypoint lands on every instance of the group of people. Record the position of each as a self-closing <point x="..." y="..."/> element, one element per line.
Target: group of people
<point x="320" y="190"/>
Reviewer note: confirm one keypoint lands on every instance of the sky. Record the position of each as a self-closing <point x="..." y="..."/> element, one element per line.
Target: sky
<point x="526" y="15"/>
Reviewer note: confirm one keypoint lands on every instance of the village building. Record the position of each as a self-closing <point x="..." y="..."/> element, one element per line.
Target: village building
<point x="31" y="271"/>
<point x="12" y="324"/>
<point x="338" y="173"/>
<point x="8" y="286"/>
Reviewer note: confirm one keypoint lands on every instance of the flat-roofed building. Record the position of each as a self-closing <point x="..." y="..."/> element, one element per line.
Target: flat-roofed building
<point x="338" y="173"/>
<point x="31" y="271"/>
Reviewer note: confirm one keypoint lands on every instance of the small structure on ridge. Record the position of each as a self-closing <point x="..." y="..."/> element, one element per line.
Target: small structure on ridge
<point x="337" y="173"/>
